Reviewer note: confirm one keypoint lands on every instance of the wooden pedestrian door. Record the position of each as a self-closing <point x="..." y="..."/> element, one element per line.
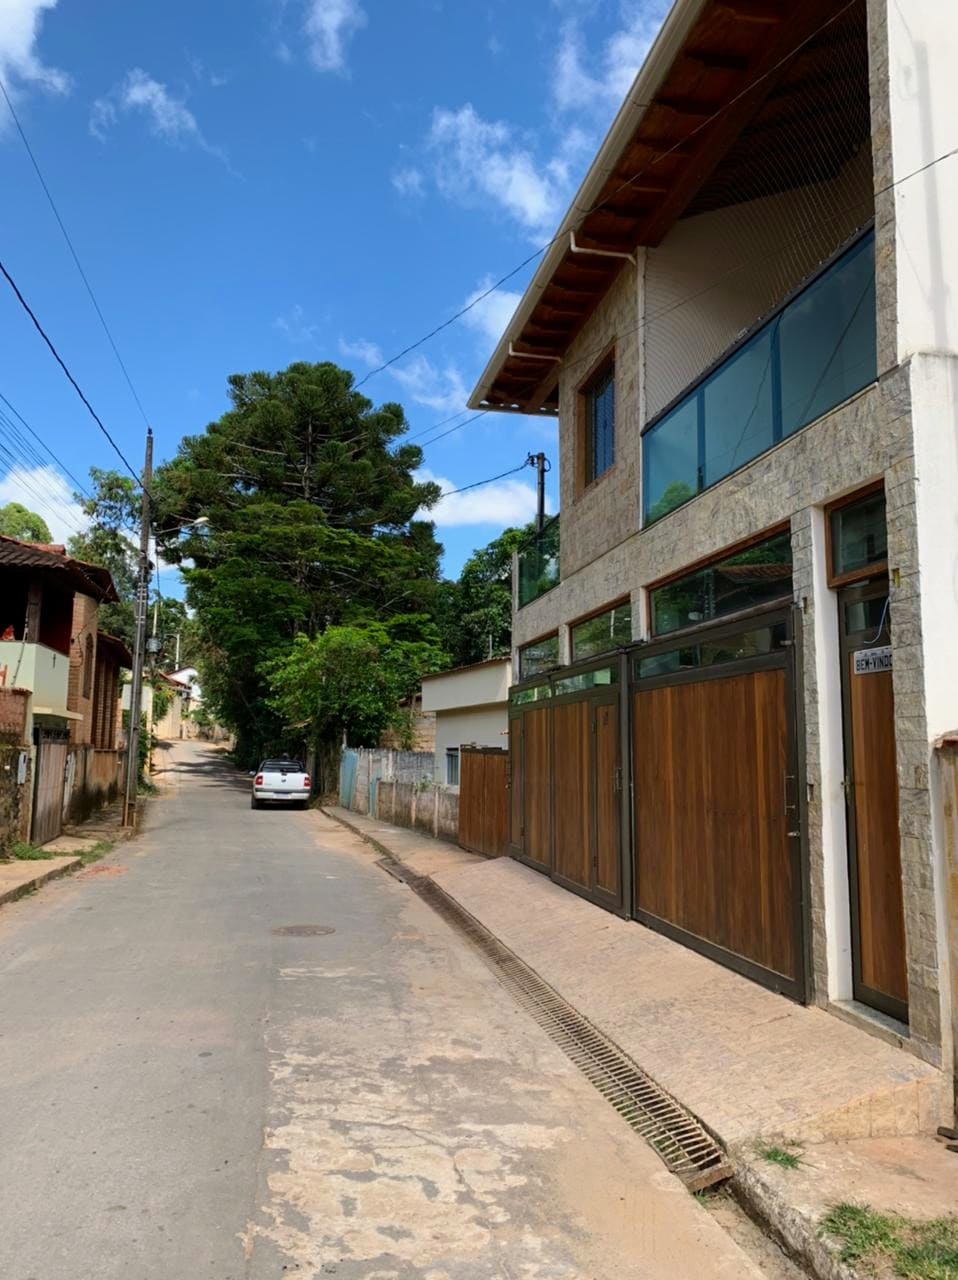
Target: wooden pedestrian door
<point x="47" y="823"/>
<point x="566" y="799"/>
<point x="717" y="854"/>
<point x="879" y="972"/>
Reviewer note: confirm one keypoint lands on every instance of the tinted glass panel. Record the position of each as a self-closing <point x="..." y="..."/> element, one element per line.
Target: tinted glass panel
<point x="452" y="767"/>
<point x="605" y="631"/>
<point x="738" y="409"/>
<point x="539" y="564"/>
<point x="543" y="655"/>
<point x="600" y="401"/>
<point x="816" y="352"/>
<point x="757" y="575"/>
<point x="868" y="615"/>
<point x="670" y="458"/>
<point x="518" y="697"/>
<point x="586" y="680"/>
<point x="756" y="643"/>
<point x="827" y="344"/>
<point x="859" y="537"/>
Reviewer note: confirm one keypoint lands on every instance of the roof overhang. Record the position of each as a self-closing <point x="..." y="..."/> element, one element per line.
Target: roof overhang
<point x="711" y="67"/>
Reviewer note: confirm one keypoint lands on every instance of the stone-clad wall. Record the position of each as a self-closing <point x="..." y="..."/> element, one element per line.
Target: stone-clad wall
<point x="14" y="797"/>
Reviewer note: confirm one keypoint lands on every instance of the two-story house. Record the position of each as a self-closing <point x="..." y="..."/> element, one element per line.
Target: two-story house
<point x="732" y="668"/>
<point x="58" y="682"/>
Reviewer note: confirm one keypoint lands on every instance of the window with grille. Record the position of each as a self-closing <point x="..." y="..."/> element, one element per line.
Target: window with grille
<point x="452" y="766"/>
<point x="599" y="422"/>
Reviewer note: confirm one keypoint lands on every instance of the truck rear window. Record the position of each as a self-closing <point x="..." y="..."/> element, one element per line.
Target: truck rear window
<point x="281" y="766"/>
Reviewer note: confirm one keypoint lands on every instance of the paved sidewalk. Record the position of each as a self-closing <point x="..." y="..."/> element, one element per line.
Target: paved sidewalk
<point x="755" y="1067"/>
<point x="18" y="878"/>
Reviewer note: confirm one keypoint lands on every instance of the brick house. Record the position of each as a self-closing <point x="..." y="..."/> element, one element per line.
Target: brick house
<point x="732" y="670"/>
<point x="58" y="688"/>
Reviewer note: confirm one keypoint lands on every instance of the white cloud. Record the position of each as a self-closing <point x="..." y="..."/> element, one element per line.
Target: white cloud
<point x="295" y="326"/>
<point x="366" y="352"/>
<point x="20" y="22"/>
<point x="328" y="26"/>
<point x="45" y="491"/>
<point x="167" y="116"/>
<point x="482" y="159"/>
<point x="439" y="389"/>
<point x="602" y="89"/>
<point x="408" y="181"/>
<point x="503" y="503"/>
<point x="491" y="316"/>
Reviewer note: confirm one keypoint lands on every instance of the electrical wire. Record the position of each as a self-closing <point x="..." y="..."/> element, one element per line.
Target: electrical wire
<point x="66" y="471"/>
<point x="479" y="483"/>
<point x="73" y="382"/>
<point x="73" y="252"/>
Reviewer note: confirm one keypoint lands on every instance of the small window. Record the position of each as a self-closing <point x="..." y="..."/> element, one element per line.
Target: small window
<point x="452" y="766"/>
<point x="88" y="667"/>
<point x="759" y="643"/>
<point x="607" y="630"/>
<point x="541" y="655"/>
<point x="599" y="421"/>
<point x="859" y="540"/>
<point x="538" y="693"/>
<point x="759" y="574"/>
<point x="604" y="677"/>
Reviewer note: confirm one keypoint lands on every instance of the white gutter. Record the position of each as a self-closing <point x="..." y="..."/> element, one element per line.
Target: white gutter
<point x="674" y="32"/>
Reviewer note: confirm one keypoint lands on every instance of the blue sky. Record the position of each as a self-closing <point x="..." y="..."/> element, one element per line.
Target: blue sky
<point x="269" y="181"/>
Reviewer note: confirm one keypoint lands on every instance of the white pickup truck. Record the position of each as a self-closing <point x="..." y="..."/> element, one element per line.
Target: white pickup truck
<point x="283" y="781"/>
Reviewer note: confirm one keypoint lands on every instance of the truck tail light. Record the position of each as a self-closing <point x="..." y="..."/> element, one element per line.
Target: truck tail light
<point x="258" y="780"/>
<point x="306" y="782"/>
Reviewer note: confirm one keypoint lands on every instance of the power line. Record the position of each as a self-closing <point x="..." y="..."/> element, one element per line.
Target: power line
<point x="73" y="382"/>
<point x="73" y="252"/>
<point x="17" y="414"/>
<point x="479" y="483"/>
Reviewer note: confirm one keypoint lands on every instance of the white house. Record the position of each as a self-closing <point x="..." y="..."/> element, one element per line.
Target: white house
<point x="471" y="707"/>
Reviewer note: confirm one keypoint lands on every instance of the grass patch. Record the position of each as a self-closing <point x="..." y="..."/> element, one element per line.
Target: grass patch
<point x="95" y="852"/>
<point x="915" y="1250"/>
<point x="785" y="1157"/>
<point x="24" y="852"/>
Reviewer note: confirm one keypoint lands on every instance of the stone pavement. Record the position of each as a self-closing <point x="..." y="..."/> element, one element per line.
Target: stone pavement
<point x="755" y="1067"/>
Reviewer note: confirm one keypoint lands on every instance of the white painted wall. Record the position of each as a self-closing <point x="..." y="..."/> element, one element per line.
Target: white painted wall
<point x="923" y="103"/>
<point x="482" y="726"/>
<point x="473" y="686"/>
<point x="729" y="267"/>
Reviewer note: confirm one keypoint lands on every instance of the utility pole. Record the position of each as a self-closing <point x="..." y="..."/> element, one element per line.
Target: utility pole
<point x="139" y="643"/>
<point x="541" y="464"/>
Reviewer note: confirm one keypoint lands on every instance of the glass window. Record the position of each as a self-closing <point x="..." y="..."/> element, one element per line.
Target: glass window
<point x="605" y="631"/>
<point x="745" y="644"/>
<point x="816" y="352"/>
<point x="859" y="537"/>
<point x="538" y="693"/>
<point x="828" y="339"/>
<point x="539" y="564"/>
<point x="586" y="680"/>
<point x="757" y="575"/>
<point x="670" y="460"/>
<point x="541" y="655"/>
<point x="738" y="409"/>
<point x="600" y="424"/>
<point x="452" y="766"/>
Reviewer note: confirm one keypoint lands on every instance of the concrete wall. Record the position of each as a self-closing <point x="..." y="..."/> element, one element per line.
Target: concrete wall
<point x="473" y="686"/>
<point x="432" y="810"/>
<point x="92" y="781"/>
<point x="16" y="779"/>
<point x="479" y="726"/>
<point x="363" y="770"/>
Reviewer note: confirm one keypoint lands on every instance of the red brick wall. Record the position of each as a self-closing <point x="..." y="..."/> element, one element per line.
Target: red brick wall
<point x="85" y="611"/>
<point x="13" y="715"/>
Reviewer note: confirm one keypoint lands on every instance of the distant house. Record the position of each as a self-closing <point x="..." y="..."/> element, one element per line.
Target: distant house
<point x="59" y="677"/>
<point x="471" y="706"/>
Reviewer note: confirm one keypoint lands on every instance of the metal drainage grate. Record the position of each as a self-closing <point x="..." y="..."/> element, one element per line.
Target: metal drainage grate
<point x="303" y="930"/>
<point x="682" y="1142"/>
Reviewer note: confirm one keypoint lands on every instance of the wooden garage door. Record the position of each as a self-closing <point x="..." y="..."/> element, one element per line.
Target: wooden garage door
<point x="714" y="800"/>
<point x="48" y="794"/>
<point x="537" y="786"/>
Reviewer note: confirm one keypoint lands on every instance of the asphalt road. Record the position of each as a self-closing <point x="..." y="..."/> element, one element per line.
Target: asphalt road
<point x="188" y="1094"/>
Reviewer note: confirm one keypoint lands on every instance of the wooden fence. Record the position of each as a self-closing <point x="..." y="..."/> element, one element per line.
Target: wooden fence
<point x="484" y="800"/>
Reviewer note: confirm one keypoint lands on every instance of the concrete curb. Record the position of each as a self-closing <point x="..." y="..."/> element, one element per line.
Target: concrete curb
<point x="42" y="877"/>
<point x="797" y="1234"/>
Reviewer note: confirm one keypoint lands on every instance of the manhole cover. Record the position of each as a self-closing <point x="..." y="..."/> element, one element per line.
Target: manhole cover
<point x="303" y="930"/>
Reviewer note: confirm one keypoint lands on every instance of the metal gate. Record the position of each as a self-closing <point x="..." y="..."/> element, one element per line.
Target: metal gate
<point x="484" y="800"/>
<point x="566" y="804"/>
<point x="52" y="750"/>
<point x="717" y="851"/>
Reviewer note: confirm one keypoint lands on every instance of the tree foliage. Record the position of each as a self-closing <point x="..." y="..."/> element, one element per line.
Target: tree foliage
<point x="476" y="611"/>
<point x="310" y="507"/>
<point x="17" y="521"/>
<point x="351" y="681"/>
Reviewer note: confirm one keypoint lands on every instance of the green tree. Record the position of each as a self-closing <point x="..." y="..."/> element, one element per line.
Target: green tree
<point x="309" y="506"/>
<point x="351" y="680"/>
<point x="16" y="521"/>
<point x="109" y="541"/>
<point x="476" y="612"/>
